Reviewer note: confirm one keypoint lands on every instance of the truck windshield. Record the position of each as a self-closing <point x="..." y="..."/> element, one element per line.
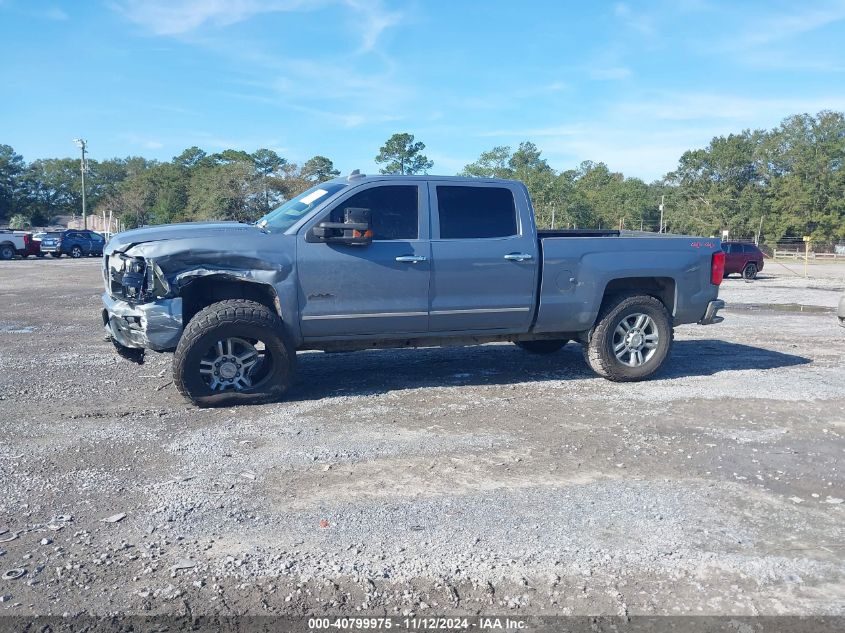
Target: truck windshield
<point x="282" y="218"/>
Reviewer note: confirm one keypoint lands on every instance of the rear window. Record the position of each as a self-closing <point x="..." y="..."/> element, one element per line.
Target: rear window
<point x="476" y="212"/>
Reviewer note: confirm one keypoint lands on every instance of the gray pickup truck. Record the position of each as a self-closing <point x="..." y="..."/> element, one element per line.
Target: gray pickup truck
<point x="397" y="261"/>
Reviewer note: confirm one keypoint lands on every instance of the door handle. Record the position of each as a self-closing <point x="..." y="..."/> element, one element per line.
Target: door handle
<point x="411" y="259"/>
<point x="518" y="257"/>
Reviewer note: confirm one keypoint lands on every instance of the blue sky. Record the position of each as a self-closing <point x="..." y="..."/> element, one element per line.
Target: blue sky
<point x="632" y="84"/>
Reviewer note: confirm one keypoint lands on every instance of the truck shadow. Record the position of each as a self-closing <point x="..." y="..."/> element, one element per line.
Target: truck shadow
<point x="381" y="371"/>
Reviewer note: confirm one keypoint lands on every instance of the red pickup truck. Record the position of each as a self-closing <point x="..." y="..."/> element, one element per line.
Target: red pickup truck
<point x="18" y="243"/>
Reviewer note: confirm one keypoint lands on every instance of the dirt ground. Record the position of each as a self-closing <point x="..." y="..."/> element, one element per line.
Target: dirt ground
<point x="463" y="480"/>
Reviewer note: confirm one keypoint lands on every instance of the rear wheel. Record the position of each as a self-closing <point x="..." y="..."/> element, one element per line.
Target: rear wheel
<point x="234" y="352"/>
<point x="542" y="347"/>
<point x="76" y="252"/>
<point x="631" y="339"/>
<point x="750" y="271"/>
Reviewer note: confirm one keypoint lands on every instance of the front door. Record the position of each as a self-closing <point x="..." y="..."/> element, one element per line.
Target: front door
<point x="733" y="258"/>
<point x="485" y="260"/>
<point x="377" y="289"/>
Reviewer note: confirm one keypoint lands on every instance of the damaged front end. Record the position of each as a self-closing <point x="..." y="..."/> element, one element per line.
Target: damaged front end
<point x="156" y="278"/>
<point x="137" y="312"/>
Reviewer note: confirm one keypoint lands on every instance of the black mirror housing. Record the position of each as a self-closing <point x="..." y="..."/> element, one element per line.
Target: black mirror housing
<point x="355" y="230"/>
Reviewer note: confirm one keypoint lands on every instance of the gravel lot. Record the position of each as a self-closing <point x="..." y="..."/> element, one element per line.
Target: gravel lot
<point x="472" y="480"/>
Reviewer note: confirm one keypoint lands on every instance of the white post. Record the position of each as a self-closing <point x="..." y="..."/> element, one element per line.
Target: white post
<point x="661" y="215"/>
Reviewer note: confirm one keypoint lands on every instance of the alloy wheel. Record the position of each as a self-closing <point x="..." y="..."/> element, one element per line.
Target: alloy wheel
<point x="232" y="363"/>
<point x="635" y="339"/>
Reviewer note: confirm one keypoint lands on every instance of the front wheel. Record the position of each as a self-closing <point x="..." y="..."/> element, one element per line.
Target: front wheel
<point x="548" y="346"/>
<point x="7" y="252"/>
<point x="631" y="339"/>
<point x="234" y="352"/>
<point x="750" y="271"/>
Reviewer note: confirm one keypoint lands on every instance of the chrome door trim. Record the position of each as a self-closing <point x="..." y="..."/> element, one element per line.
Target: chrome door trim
<point x="317" y="317"/>
<point x="480" y="310"/>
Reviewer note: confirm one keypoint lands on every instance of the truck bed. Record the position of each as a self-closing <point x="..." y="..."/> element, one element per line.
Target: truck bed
<point x="576" y="272"/>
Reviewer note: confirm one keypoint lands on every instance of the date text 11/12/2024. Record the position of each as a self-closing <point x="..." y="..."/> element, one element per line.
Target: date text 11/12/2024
<point x="418" y="623"/>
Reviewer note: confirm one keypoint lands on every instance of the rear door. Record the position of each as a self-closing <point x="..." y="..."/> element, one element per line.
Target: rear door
<point x="86" y="241"/>
<point x="484" y="258"/>
<point x="733" y="258"/>
<point x="751" y="253"/>
<point x="377" y="289"/>
<point x="71" y="239"/>
<point x="97" y="242"/>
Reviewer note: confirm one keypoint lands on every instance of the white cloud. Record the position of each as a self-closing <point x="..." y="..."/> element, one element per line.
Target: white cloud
<point x="610" y="74"/>
<point x="637" y="21"/>
<point x="177" y="17"/>
<point x="346" y="95"/>
<point x="772" y="28"/>
<point x="746" y="111"/>
<point x="645" y="137"/>
<point x="182" y="17"/>
<point x="373" y="19"/>
<point x="139" y="140"/>
<point x="54" y="13"/>
<point x="526" y="133"/>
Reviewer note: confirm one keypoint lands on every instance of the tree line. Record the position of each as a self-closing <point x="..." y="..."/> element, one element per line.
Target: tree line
<point x="779" y="184"/>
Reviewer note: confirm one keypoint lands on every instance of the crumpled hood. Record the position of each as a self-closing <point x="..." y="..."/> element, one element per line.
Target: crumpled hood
<point x="186" y="230"/>
<point x="182" y="253"/>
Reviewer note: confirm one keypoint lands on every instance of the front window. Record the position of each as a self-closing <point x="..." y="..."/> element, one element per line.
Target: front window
<point x="282" y="218"/>
<point x="394" y="210"/>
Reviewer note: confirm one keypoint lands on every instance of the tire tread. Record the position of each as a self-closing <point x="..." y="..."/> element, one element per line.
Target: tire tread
<point x="227" y="312"/>
<point x="593" y="351"/>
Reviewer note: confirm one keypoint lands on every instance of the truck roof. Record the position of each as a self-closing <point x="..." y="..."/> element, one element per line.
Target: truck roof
<point x="357" y="177"/>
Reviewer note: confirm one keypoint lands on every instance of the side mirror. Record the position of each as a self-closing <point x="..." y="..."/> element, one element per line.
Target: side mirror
<point x="355" y="230"/>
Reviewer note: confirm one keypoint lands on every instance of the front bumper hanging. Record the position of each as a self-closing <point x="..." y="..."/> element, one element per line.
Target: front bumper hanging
<point x="156" y="325"/>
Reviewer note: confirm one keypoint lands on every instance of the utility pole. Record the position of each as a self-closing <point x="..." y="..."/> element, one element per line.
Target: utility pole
<point x="81" y="144"/>
<point x="661" y="214"/>
<point x="759" y="230"/>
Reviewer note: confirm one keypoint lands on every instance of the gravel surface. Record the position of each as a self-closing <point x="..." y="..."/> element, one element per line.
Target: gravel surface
<point x="463" y="480"/>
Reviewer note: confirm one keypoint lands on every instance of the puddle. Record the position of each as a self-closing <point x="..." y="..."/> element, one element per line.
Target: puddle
<point x="16" y="328"/>
<point x="781" y="307"/>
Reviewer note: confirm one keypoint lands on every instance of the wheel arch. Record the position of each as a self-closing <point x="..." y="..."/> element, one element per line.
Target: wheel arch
<point x="203" y="291"/>
<point x="661" y="288"/>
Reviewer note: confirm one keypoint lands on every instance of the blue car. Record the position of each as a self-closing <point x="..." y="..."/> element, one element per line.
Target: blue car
<point x="73" y="242"/>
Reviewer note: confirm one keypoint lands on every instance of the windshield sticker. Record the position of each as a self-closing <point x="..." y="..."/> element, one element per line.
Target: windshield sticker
<point x="314" y="195"/>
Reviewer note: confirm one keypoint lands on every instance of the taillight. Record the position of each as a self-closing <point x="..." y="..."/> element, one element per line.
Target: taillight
<point x="717" y="268"/>
<point x="27" y="238"/>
